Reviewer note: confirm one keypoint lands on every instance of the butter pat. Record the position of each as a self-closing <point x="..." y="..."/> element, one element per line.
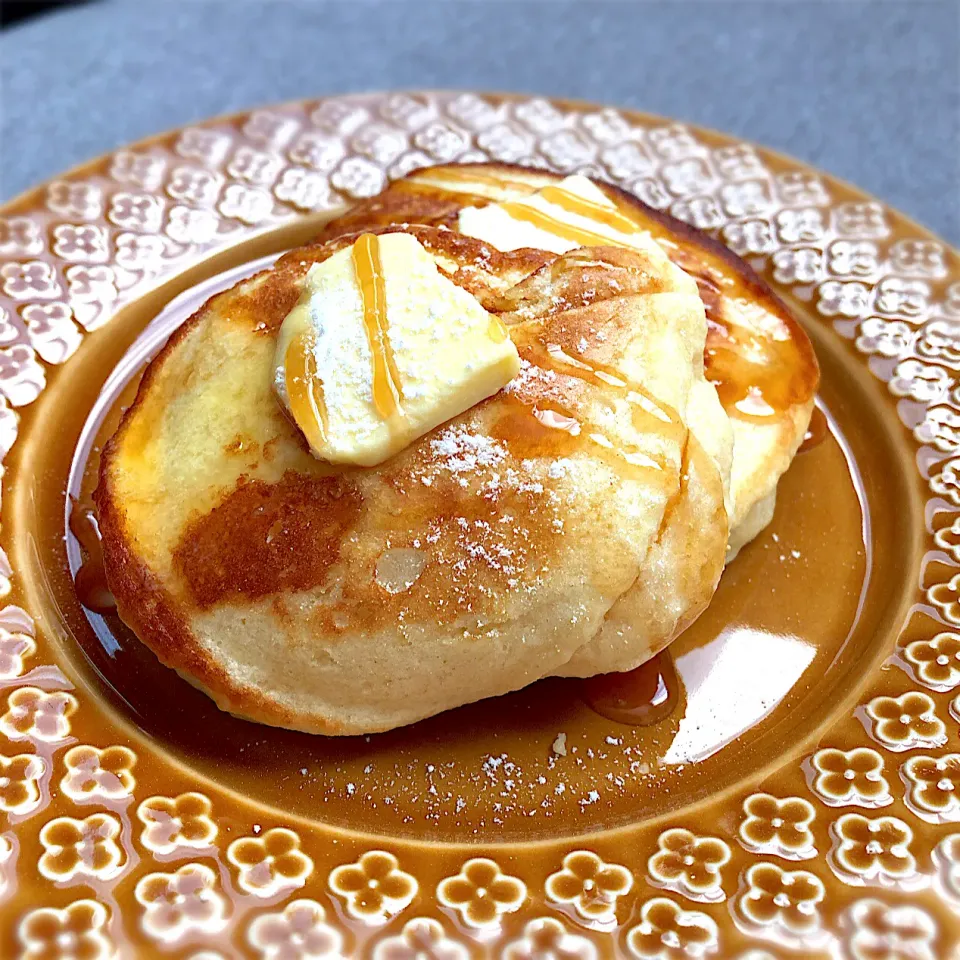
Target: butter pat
<point x="561" y="217"/>
<point x="381" y="348"/>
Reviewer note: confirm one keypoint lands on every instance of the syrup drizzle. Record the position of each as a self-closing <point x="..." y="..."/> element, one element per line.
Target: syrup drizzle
<point x="468" y="175"/>
<point x="550" y="429"/>
<point x="90" y="579"/>
<point x="553" y="225"/>
<point x="387" y="395"/>
<point x="641" y="697"/>
<point x="757" y="377"/>
<point x="305" y="390"/>
<point x="579" y="206"/>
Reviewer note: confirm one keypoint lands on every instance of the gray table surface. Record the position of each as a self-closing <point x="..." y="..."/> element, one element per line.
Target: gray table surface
<point x="865" y="89"/>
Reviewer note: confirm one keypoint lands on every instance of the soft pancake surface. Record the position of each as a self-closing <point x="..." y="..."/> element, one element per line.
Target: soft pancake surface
<point x="491" y="552"/>
<point x="757" y="355"/>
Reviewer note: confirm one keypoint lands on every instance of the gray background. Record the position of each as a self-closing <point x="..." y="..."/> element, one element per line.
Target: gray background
<point x="866" y="89"/>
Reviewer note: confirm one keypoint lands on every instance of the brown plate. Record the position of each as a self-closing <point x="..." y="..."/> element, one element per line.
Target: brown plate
<point x="802" y="796"/>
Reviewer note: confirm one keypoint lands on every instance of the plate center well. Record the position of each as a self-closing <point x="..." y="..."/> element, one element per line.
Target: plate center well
<point x="799" y="618"/>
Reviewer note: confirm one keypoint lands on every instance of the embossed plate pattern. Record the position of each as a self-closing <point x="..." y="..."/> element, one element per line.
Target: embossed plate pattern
<point x="850" y="848"/>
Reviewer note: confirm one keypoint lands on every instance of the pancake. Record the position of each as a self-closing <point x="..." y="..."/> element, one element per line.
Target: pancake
<point x="499" y="548"/>
<point x="757" y="355"/>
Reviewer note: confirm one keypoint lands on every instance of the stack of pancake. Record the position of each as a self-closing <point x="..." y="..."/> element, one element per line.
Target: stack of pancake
<point x="572" y="524"/>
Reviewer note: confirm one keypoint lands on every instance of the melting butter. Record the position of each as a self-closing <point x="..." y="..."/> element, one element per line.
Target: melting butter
<point x="381" y="348"/>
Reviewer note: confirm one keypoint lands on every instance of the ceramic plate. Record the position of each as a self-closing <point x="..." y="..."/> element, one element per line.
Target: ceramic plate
<point x="802" y="797"/>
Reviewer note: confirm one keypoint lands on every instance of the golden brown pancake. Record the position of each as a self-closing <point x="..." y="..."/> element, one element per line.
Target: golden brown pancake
<point x="757" y="355"/>
<point x="495" y="550"/>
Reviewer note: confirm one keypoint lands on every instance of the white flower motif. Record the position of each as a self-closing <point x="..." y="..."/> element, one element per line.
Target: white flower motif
<point x="947" y="538"/>
<point x="51" y="330"/>
<point x="174" y="822"/>
<point x="687" y="177"/>
<point x="93" y="773"/>
<point x="567" y="150"/>
<point x="590" y="885"/>
<point x="626" y="160"/>
<point x="84" y="848"/>
<point x="20" y="236"/>
<point x="702" y="212"/>
<point x="84" y="242"/>
<point x="270" y="863"/>
<point x="505" y="143"/>
<point x="33" y="714"/>
<point x="137" y="251"/>
<point x="318" y="151"/>
<point x="690" y="864"/>
<point x="191" y="226"/>
<point x="746" y="199"/>
<point x="358" y="177"/>
<point x="851" y="778"/>
<point x="802" y="265"/>
<point x="21" y="380"/>
<point x="946" y="596"/>
<point x="271" y="129"/>
<point x="667" y="932"/>
<point x="739" y="162"/>
<point x="947" y="482"/>
<point x="420" y="939"/>
<point x="548" y="939"/>
<point x="482" y="893"/>
<point x="406" y="110"/>
<point x="842" y="299"/>
<point x="852" y="258"/>
<point x="799" y="188"/>
<point x="14" y="649"/>
<point x="20" y="778"/>
<point x="181" y="902"/>
<point x="918" y="258"/>
<point x="651" y="192"/>
<point x="379" y="142"/>
<point x="875" y="929"/>
<point x="338" y="116"/>
<point x="941" y="428"/>
<point x="476" y="113"/>
<point x="539" y="116"/>
<point x="933" y="787"/>
<point x="249" y="204"/>
<point x="143" y="169"/>
<point x="920" y="381"/>
<point x="674" y="142"/>
<point x="81" y="200"/>
<point x="306" y="190"/>
<point x="749" y="237"/>
<point x="889" y="338"/>
<point x="859" y="219"/>
<point x="298" y="932"/>
<point x="781" y="903"/>
<point x="868" y="850"/>
<point x="907" y="298"/>
<point x="136" y="211"/>
<point x="34" y="279"/>
<point x="254" y="166"/>
<point x="946" y="861"/>
<point x="208" y="146"/>
<point x="194" y="185"/>
<point x="940" y="339"/>
<point x="78" y="932"/>
<point x="800" y="226"/>
<point x="374" y="888"/>
<point x="778" y="827"/>
<point x="442" y="141"/>
<point x="92" y="284"/>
